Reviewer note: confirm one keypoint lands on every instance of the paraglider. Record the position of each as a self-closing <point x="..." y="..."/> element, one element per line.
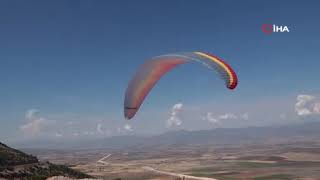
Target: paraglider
<point x="151" y="71"/>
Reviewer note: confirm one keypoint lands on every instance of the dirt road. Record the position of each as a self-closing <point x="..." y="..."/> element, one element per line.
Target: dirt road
<point x="182" y="176"/>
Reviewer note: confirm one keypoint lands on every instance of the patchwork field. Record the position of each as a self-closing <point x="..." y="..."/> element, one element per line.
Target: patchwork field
<point x="228" y="162"/>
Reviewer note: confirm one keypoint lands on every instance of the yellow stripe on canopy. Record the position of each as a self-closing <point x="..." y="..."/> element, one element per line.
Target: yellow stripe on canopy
<point x="218" y="61"/>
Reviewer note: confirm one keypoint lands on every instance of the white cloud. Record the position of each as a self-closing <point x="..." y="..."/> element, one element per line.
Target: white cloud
<point x="39" y="126"/>
<point x="125" y="130"/>
<point x="307" y="105"/>
<point x="34" y="124"/>
<point x="99" y="129"/>
<point x="209" y="117"/>
<point x="127" y="127"/>
<point x="228" y="116"/>
<point x="174" y="119"/>
<point x="102" y="130"/>
<point x="31" y="114"/>
<point x="244" y="116"/>
<point x="88" y="133"/>
<point x="231" y="116"/>
<point x="316" y="108"/>
<point x="58" y="134"/>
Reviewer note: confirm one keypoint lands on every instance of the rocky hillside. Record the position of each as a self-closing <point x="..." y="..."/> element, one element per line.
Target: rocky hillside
<point x="15" y="164"/>
<point x="13" y="157"/>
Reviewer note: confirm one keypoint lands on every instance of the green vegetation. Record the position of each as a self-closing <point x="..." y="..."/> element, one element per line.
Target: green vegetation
<point x="214" y="172"/>
<point x="297" y="164"/>
<point x="15" y="164"/>
<point x="212" y="175"/>
<point x="226" y="178"/>
<point x="256" y="164"/>
<point x="206" y="170"/>
<point x="275" y="177"/>
<point x="43" y="171"/>
<point x="13" y="157"/>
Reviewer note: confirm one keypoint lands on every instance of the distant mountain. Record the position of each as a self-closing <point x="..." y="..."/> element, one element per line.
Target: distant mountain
<point x="220" y="136"/>
<point x="294" y="132"/>
<point x="307" y="131"/>
<point x="15" y="164"/>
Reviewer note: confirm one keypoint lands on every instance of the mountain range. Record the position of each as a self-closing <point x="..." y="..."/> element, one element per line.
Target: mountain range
<point x="220" y="136"/>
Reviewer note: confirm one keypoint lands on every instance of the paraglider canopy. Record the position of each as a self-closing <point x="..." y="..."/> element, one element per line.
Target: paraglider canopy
<point x="152" y="70"/>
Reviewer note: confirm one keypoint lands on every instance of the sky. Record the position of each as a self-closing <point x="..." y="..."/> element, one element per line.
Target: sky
<point x="65" y="65"/>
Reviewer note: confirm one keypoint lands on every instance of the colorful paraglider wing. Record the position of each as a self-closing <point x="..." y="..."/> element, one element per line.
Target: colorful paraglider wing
<point x="151" y="71"/>
<point x="224" y="70"/>
<point x="144" y="80"/>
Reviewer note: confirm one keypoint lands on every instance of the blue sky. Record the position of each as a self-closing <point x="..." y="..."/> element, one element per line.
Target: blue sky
<point x="72" y="60"/>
